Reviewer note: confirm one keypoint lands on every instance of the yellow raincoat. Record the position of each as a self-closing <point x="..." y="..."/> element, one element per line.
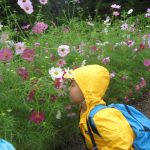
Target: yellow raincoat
<point x="116" y="132"/>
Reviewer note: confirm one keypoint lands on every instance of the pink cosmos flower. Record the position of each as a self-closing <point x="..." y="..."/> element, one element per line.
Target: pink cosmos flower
<point x="28" y="54"/>
<point x="23" y="73"/>
<point x="26" y="27"/>
<point x="61" y="63"/>
<point x="112" y="75"/>
<point x="63" y="50"/>
<point x="130" y="43"/>
<point x="143" y="82"/>
<point x="106" y="60"/>
<point x="26" y="5"/>
<point x="39" y="28"/>
<point x="37" y="44"/>
<point x="147" y="15"/>
<point x="115" y="6"/>
<point x="116" y="13"/>
<point x="6" y="55"/>
<point x="37" y="117"/>
<point x="20" y="47"/>
<point x="21" y="2"/>
<point x="43" y="2"/>
<point x="124" y="26"/>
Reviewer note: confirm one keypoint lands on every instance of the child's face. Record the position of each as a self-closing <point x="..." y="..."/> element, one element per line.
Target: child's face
<point x="75" y="93"/>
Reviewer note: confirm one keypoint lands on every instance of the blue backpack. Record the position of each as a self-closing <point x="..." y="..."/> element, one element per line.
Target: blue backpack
<point x="4" y="145"/>
<point x="139" y="123"/>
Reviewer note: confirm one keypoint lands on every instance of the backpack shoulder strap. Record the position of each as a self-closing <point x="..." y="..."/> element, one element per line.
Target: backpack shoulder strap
<point x="91" y="115"/>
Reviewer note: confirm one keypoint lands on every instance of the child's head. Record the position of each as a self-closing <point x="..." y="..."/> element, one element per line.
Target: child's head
<point x="88" y="83"/>
<point x="76" y="94"/>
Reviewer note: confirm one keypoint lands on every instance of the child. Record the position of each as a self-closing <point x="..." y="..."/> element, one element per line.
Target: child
<point x="88" y="86"/>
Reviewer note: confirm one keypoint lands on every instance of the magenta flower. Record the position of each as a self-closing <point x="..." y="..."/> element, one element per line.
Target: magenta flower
<point x="63" y="50"/>
<point x="31" y="94"/>
<point x="39" y="28"/>
<point x="28" y="54"/>
<point x="147" y="62"/>
<point x="20" y="47"/>
<point x="116" y="13"/>
<point x="23" y="73"/>
<point x="6" y="55"/>
<point x="58" y="83"/>
<point x="61" y="63"/>
<point x="43" y="2"/>
<point x="37" y="117"/>
<point x="106" y="60"/>
<point x="130" y="43"/>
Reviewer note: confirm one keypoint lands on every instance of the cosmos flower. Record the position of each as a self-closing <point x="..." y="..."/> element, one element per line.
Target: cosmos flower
<point x="130" y="43"/>
<point x="116" y="13"/>
<point x="37" y="117"/>
<point x="61" y="63"/>
<point x="26" y="5"/>
<point x="43" y="2"/>
<point x="28" y="54"/>
<point x="106" y="60"/>
<point x="115" y="6"/>
<point x="56" y="72"/>
<point x="20" y="47"/>
<point x="6" y="55"/>
<point x="39" y="27"/>
<point x="23" y="73"/>
<point x="31" y="94"/>
<point x="112" y="75"/>
<point x="124" y="26"/>
<point x="130" y="11"/>
<point x="63" y="50"/>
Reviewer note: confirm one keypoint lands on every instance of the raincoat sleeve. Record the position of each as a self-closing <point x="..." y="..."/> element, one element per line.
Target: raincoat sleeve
<point x="114" y="129"/>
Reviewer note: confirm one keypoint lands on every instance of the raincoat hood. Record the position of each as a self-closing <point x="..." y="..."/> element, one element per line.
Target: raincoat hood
<point x="93" y="81"/>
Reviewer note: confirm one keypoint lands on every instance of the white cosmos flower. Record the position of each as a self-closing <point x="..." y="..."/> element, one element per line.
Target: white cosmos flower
<point x="130" y="11"/>
<point x="56" y="72"/>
